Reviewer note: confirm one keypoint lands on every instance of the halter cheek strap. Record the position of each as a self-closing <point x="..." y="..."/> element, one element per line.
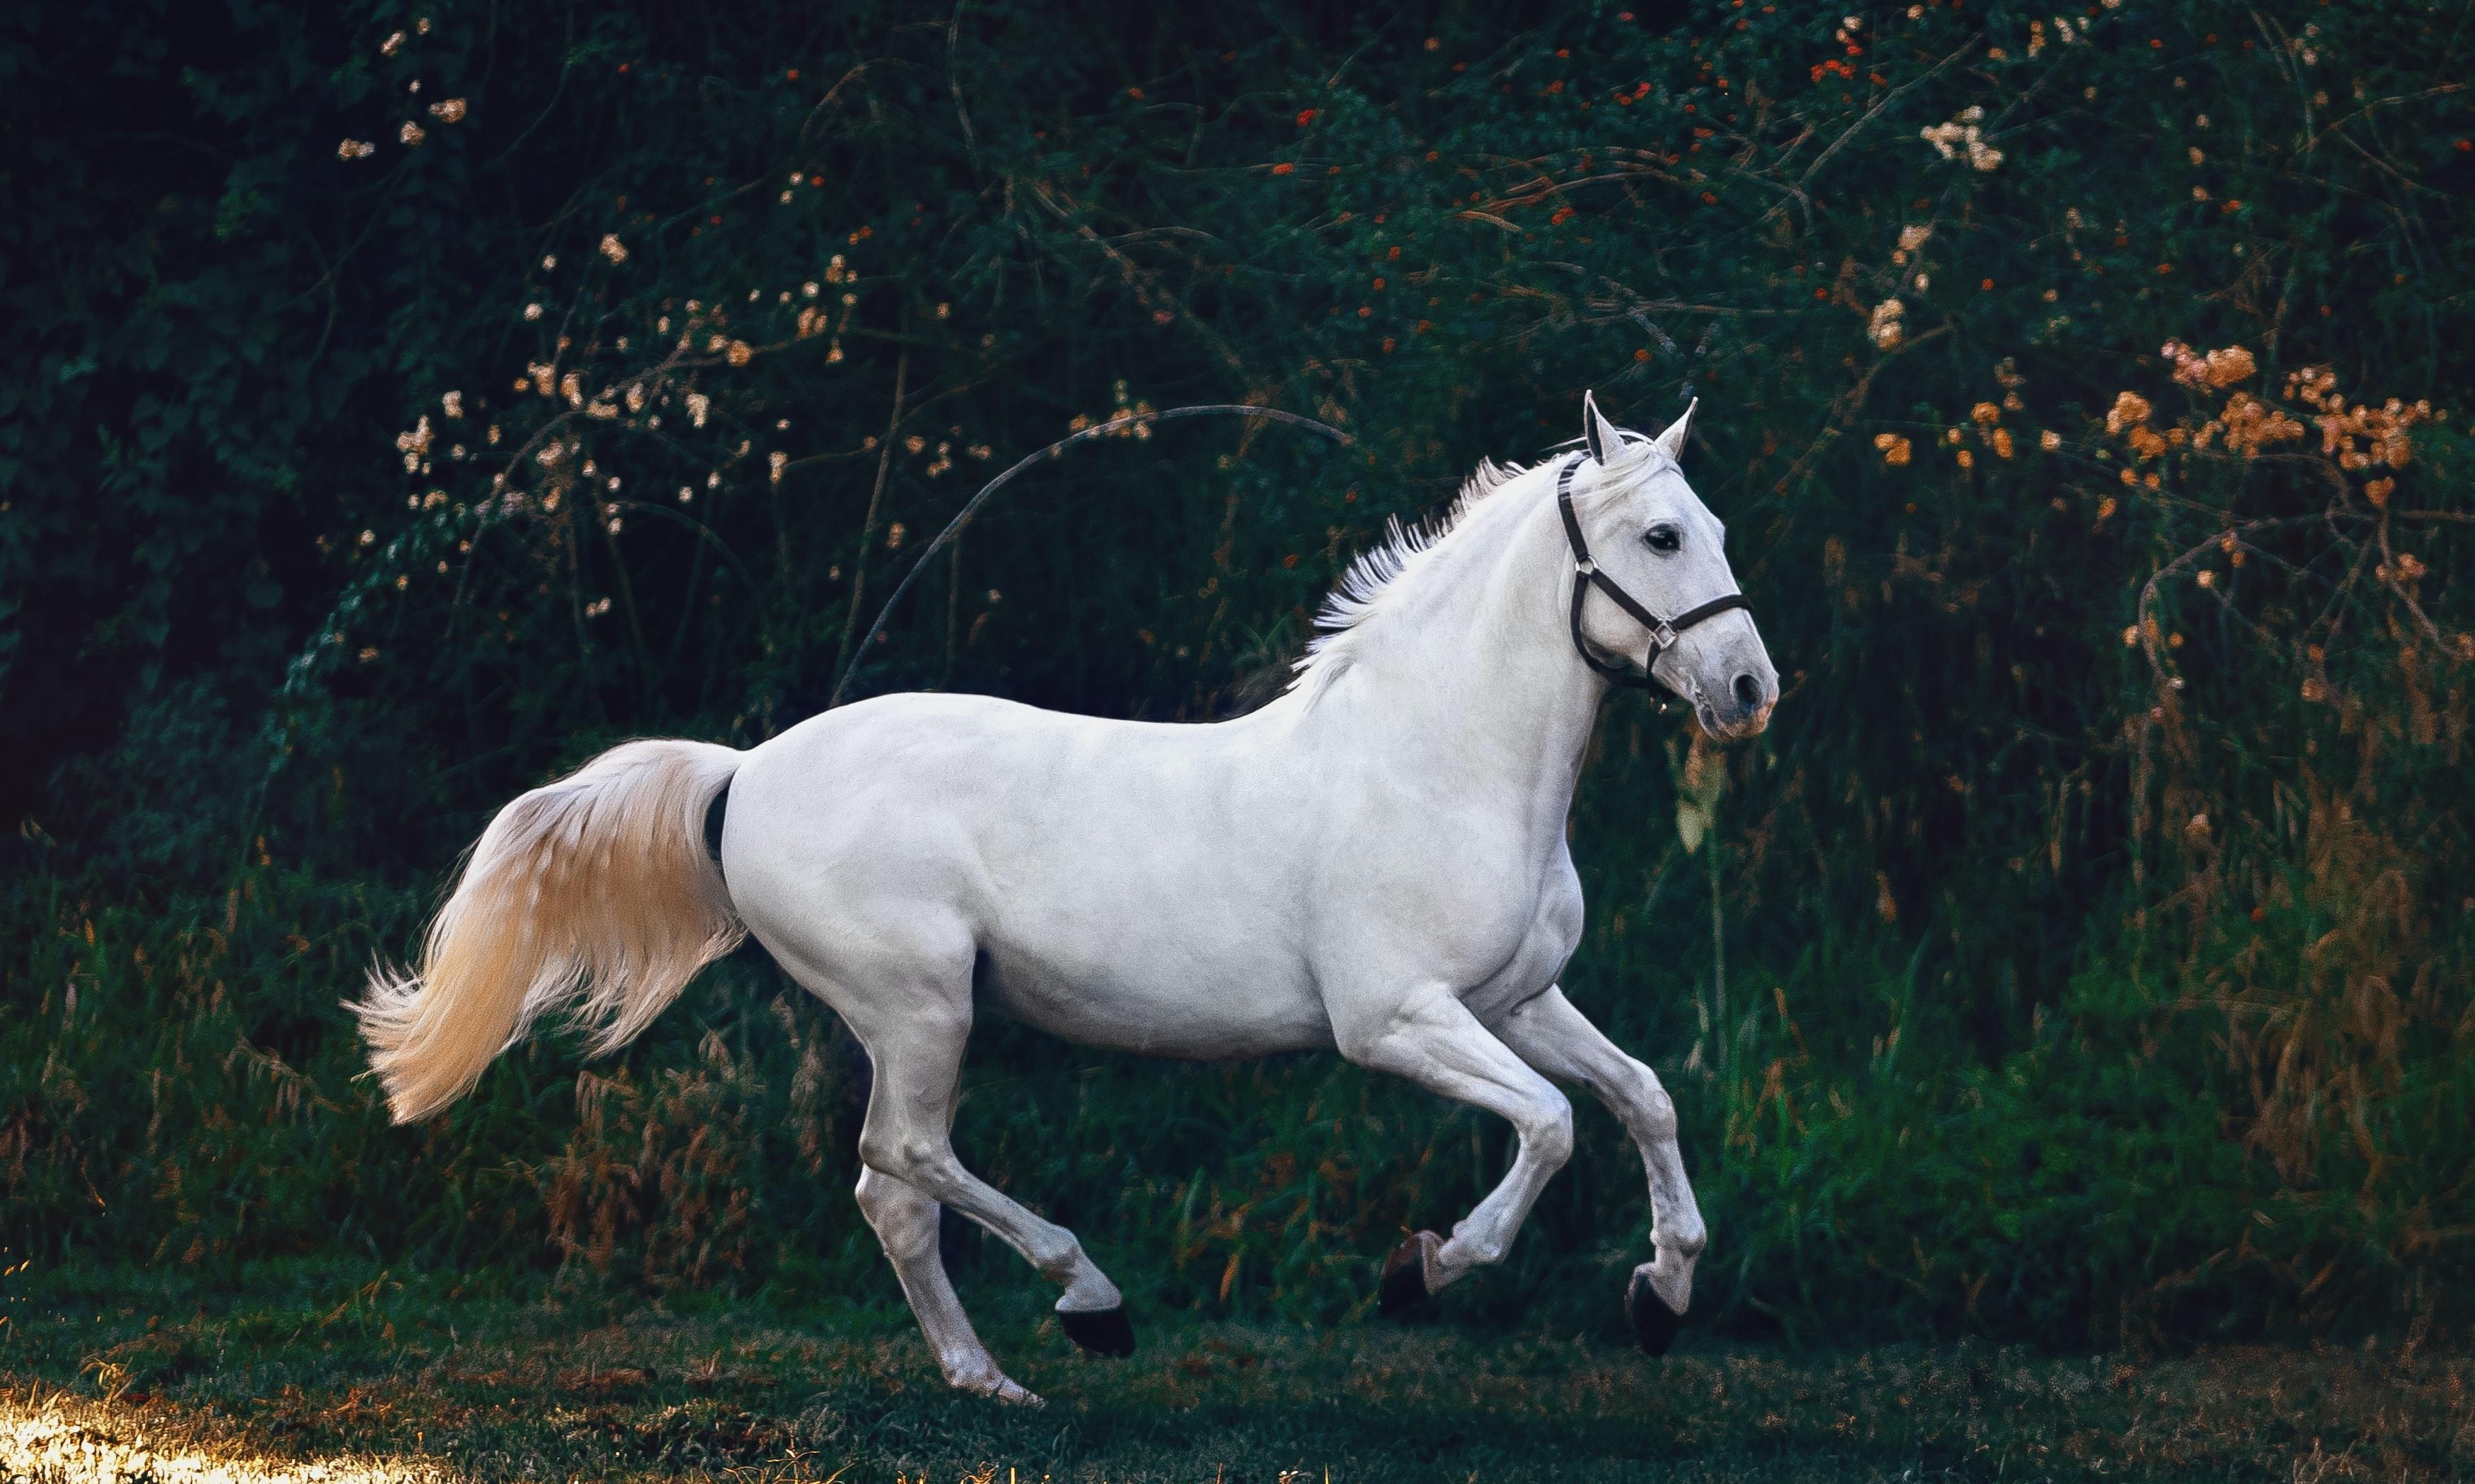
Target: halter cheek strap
<point x="1586" y="575"/>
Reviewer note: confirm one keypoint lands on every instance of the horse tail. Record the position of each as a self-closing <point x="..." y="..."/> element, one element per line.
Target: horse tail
<point x="602" y="887"/>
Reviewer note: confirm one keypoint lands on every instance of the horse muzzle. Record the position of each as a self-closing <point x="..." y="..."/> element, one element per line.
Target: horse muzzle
<point x="1740" y="707"/>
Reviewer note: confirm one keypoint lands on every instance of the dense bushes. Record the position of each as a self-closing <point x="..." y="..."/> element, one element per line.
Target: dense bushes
<point x="2094" y="917"/>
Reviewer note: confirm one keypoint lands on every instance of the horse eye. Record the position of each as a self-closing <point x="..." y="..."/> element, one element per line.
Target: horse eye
<point x="1662" y="538"/>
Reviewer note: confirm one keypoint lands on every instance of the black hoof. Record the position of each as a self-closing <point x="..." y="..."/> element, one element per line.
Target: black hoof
<point x="1101" y="1331"/>
<point x="1653" y="1323"/>
<point x="1404" y="1275"/>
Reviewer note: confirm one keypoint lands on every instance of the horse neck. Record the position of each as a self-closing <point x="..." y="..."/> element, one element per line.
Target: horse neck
<point x="1468" y="674"/>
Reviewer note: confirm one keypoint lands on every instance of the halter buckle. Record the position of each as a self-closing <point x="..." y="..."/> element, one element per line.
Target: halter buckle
<point x="1584" y="566"/>
<point x="1664" y="635"/>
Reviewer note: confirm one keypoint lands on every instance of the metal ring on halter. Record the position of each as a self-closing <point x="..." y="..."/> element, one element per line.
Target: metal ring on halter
<point x="1586" y="575"/>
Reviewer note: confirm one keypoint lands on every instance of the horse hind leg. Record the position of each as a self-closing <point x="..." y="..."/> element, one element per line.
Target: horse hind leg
<point x="954" y="1227"/>
<point x="906" y="1225"/>
<point x="916" y="1042"/>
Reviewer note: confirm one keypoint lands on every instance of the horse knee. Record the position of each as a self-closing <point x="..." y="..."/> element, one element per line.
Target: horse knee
<point x="1632" y="1092"/>
<point x="1547" y="1135"/>
<point x="1654" y="1110"/>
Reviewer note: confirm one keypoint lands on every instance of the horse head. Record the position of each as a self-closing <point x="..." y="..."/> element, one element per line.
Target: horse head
<point x="1661" y="556"/>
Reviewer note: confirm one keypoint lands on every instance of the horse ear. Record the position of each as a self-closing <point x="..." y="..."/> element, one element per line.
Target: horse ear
<point x="1603" y="441"/>
<point x="1672" y="442"/>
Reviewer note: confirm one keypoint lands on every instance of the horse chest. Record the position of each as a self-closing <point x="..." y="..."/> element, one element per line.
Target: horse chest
<point x="1538" y="951"/>
<point x="1495" y="925"/>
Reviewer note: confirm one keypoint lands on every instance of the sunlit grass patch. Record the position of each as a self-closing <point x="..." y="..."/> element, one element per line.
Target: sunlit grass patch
<point x="50" y="1436"/>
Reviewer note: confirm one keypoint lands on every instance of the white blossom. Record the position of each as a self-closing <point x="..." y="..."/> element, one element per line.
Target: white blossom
<point x="1963" y="135"/>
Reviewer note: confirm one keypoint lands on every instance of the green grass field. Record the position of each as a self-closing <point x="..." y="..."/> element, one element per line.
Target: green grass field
<point x="324" y="1374"/>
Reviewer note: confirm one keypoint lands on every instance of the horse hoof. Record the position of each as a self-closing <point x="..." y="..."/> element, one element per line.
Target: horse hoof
<point x="1405" y="1274"/>
<point x="1101" y="1331"/>
<point x="1653" y="1323"/>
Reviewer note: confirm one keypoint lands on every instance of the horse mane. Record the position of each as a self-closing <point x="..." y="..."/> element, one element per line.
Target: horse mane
<point x="1377" y="568"/>
<point x="1374" y="572"/>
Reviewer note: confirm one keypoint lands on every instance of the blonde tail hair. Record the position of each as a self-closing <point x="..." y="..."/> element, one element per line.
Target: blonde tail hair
<point x="595" y="887"/>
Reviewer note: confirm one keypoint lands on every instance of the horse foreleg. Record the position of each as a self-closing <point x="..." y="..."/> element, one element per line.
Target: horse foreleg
<point x="1552" y="1037"/>
<point x="1433" y="1041"/>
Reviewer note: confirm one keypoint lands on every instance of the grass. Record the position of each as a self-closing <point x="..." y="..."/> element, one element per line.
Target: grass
<point x="310" y="1372"/>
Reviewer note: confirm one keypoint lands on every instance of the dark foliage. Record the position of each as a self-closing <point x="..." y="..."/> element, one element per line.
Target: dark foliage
<point x="405" y="403"/>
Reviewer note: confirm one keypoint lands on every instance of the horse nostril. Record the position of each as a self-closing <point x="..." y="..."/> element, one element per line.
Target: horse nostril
<point x="1748" y="695"/>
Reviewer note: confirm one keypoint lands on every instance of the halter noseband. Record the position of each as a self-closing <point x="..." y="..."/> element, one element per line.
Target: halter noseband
<point x="1586" y="575"/>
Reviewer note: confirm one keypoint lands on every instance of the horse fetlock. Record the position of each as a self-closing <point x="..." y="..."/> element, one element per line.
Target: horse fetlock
<point x="980" y="1377"/>
<point x="1685" y="1238"/>
<point x="1061" y="1259"/>
<point x="1670" y="1275"/>
<point x="1459" y="1254"/>
<point x="1087" y="1290"/>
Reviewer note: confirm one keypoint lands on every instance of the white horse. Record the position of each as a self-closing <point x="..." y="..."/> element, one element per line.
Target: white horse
<point x="1374" y="862"/>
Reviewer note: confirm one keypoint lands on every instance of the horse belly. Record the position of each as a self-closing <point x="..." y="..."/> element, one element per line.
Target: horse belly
<point x="1161" y="994"/>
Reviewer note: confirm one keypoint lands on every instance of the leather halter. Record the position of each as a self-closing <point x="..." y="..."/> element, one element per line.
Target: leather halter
<point x="1586" y="575"/>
